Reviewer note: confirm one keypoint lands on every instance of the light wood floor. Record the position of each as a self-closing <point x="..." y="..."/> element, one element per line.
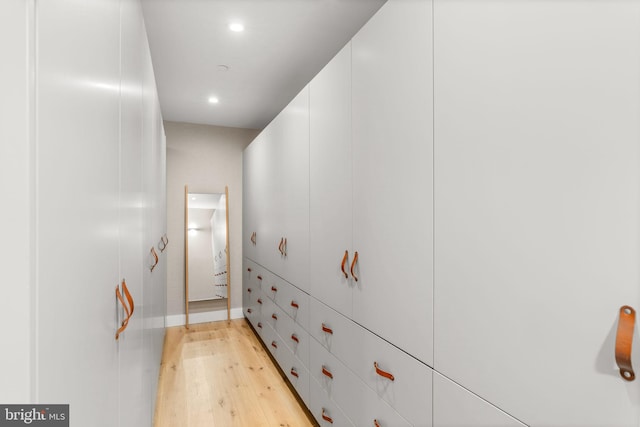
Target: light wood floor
<point x="219" y="375"/>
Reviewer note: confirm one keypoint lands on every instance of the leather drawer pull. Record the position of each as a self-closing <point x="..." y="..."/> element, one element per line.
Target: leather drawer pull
<point x="376" y="423"/>
<point x="353" y="264"/>
<point x="274" y="289"/>
<point x="326" y="417"/>
<point x="295" y="338"/>
<point x="294" y="304"/>
<point x="382" y="373"/>
<point x="155" y="255"/>
<point x="253" y="238"/>
<point x="326" y="329"/>
<point x="274" y="344"/>
<point x="274" y="316"/>
<point x="249" y="290"/>
<point x="259" y="301"/>
<point x="249" y="269"/>
<point x="624" y="341"/>
<point x="294" y="372"/>
<point x="249" y="311"/>
<point x="128" y="310"/>
<point x="259" y="277"/>
<point x="260" y="325"/>
<point x="284" y="247"/>
<point x="344" y="261"/>
<point x="123" y="326"/>
<point x="280" y="246"/>
<point x="326" y="372"/>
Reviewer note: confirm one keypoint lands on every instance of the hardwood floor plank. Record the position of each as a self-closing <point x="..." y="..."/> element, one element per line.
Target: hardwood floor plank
<point x="218" y="374"/>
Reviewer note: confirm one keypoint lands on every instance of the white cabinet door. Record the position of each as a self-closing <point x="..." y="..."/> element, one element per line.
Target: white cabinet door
<point x="393" y="175"/>
<point x="537" y="123"/>
<point x="78" y="89"/>
<point x="453" y="406"/>
<point x="16" y="187"/>
<point x="330" y="183"/>
<point x="132" y="395"/>
<point x="252" y="197"/>
<point x="292" y="211"/>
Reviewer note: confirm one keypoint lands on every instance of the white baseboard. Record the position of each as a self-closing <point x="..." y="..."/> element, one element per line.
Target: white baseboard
<point x="209" y="316"/>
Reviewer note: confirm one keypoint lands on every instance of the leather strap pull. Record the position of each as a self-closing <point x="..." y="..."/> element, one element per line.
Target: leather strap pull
<point x="123" y="325"/>
<point x="624" y="341"/>
<point x="155" y="256"/>
<point x="344" y="260"/>
<point x="127" y="294"/>
<point x="353" y="264"/>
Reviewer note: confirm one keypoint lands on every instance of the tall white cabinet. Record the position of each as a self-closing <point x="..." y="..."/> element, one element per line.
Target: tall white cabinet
<point x="537" y="148"/>
<point x="94" y="193"/>
<point x="482" y="159"/>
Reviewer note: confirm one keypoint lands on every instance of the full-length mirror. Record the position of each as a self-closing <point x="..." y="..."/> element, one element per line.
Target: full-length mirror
<point x="206" y="248"/>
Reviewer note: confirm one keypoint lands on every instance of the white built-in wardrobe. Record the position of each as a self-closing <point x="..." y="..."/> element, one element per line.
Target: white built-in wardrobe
<point x="83" y="185"/>
<point x="441" y="228"/>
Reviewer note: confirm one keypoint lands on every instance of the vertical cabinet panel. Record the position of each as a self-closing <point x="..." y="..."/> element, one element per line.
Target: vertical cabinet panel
<point x="292" y="209"/>
<point x="78" y="89"/>
<point x="331" y="184"/>
<point x="393" y="175"/>
<point x="537" y="125"/>
<point x="132" y="392"/>
<point x="453" y="406"/>
<point x="16" y="187"/>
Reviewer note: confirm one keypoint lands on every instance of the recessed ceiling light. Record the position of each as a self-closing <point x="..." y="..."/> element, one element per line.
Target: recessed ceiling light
<point x="213" y="100"/>
<point x="236" y="27"/>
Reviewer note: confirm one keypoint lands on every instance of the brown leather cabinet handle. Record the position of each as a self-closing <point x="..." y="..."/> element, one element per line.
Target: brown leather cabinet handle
<point x="249" y="311"/>
<point x="249" y="290"/>
<point x="280" y="246"/>
<point x="260" y="325"/>
<point x="284" y="247"/>
<point x="326" y="372"/>
<point x="327" y="329"/>
<point x="294" y="304"/>
<point x="353" y="264"/>
<point x="274" y="344"/>
<point x="295" y="338"/>
<point x="128" y="310"/>
<point x="274" y="316"/>
<point x="123" y="325"/>
<point x="274" y="289"/>
<point x="376" y="423"/>
<point x="326" y="417"/>
<point x="624" y="342"/>
<point x="249" y="269"/>
<point x="344" y="261"/>
<point x="155" y="255"/>
<point x="259" y="301"/>
<point x="294" y="372"/>
<point x="259" y="277"/>
<point x="382" y="373"/>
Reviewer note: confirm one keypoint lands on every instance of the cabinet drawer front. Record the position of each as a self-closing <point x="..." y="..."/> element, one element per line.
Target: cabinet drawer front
<point x="295" y="338"/>
<point x="359" y="402"/>
<point x="320" y="404"/>
<point x="273" y="342"/>
<point x="454" y="406"/>
<point x="410" y="391"/>
<point x="344" y="337"/>
<point x="292" y="300"/>
<point x="296" y="372"/>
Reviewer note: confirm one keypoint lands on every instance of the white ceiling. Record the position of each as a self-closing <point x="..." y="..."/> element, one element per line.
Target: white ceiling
<point x="285" y="43"/>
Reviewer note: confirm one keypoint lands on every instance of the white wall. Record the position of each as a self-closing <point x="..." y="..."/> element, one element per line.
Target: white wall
<point x="16" y="154"/>
<point x="206" y="158"/>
